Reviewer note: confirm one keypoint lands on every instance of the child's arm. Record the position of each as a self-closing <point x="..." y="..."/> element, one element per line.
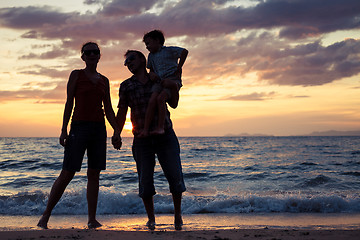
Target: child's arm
<point x="153" y="76"/>
<point x="183" y="57"/>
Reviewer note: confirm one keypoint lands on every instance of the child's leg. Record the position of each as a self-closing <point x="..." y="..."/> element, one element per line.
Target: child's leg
<point x="173" y="86"/>
<point x="170" y="83"/>
<point x="149" y="113"/>
<point x="161" y="104"/>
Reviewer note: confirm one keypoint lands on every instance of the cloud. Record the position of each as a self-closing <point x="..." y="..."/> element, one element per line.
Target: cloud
<point x="55" y="52"/>
<point x="274" y="60"/>
<point x="39" y="92"/>
<point x="312" y="64"/>
<point x="284" y="45"/>
<point x="46" y="71"/>
<point x="303" y="18"/>
<point x="295" y="18"/>
<point x="33" y="17"/>
<point x="252" y="97"/>
<point x="127" y="7"/>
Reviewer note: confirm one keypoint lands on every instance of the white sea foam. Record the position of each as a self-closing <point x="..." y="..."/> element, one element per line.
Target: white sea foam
<point x="74" y="203"/>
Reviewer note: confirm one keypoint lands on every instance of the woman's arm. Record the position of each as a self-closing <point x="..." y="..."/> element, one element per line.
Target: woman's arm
<point x="70" y="95"/>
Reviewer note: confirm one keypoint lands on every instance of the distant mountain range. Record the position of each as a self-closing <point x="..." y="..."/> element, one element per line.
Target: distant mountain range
<point x="335" y="133"/>
<point x="323" y="133"/>
<point x="248" y="135"/>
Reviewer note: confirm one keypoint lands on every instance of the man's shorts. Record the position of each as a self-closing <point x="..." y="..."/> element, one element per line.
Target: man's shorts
<point x="85" y="136"/>
<point x="167" y="149"/>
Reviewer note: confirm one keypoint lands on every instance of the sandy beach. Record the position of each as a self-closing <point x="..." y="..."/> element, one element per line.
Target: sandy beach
<point x="198" y="226"/>
<point x="248" y="234"/>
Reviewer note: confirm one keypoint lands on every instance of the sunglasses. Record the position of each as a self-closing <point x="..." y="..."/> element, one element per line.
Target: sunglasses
<point x="127" y="60"/>
<point x="89" y="52"/>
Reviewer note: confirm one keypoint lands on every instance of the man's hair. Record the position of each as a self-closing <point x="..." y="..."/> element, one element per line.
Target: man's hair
<point x="87" y="44"/>
<point x="140" y="54"/>
<point x="155" y="34"/>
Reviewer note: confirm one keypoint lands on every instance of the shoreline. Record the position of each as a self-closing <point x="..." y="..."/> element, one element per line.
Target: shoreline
<point x="194" y="222"/>
<point x="292" y="226"/>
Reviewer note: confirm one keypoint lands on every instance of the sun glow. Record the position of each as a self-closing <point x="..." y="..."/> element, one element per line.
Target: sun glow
<point x="128" y="126"/>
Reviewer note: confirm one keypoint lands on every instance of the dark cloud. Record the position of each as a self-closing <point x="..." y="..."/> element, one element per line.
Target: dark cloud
<point x="127" y="7"/>
<point x="31" y="34"/>
<point x="295" y="18"/>
<point x="33" y="17"/>
<point x="312" y="64"/>
<point x="273" y="60"/>
<point x="303" y="18"/>
<point x="93" y="2"/>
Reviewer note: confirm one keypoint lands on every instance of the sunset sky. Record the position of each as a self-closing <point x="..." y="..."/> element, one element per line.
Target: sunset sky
<point x="279" y="67"/>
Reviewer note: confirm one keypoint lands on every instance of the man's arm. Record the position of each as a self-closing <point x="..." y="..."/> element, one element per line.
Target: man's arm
<point x="120" y="119"/>
<point x="109" y="112"/>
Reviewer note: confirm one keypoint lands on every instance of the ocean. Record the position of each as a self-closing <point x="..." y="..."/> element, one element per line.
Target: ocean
<point x="225" y="175"/>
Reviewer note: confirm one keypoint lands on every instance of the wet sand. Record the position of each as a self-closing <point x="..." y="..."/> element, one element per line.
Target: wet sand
<point x="199" y="226"/>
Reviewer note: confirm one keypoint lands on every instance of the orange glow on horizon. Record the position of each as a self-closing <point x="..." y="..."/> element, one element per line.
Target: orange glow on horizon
<point x="128" y="126"/>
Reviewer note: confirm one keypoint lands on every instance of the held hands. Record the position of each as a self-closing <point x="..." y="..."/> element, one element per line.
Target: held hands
<point x="116" y="141"/>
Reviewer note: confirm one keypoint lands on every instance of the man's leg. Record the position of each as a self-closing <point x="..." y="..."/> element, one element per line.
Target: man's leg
<point x="178" y="222"/>
<point x="149" y="207"/>
<point x="168" y="153"/>
<point x="144" y="156"/>
<point x="56" y="192"/>
<point x="92" y="196"/>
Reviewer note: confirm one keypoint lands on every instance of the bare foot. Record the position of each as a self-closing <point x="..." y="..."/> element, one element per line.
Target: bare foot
<point x="43" y="222"/>
<point x="178" y="223"/>
<point x="94" y="224"/>
<point x="151" y="225"/>
<point x="158" y="131"/>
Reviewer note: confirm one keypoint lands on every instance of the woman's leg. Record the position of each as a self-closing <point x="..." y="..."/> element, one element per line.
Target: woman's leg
<point x="56" y="192"/>
<point x="92" y="194"/>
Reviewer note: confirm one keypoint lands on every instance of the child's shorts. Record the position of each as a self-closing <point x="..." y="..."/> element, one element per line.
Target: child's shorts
<point x="157" y="87"/>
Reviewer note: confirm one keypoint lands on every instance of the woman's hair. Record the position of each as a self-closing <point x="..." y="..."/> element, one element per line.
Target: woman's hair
<point x="87" y="44"/>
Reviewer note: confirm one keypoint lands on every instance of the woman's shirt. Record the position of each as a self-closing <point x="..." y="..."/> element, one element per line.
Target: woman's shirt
<point x="89" y="98"/>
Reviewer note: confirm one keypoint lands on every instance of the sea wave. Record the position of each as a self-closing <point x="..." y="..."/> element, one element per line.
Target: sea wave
<point x="111" y="202"/>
